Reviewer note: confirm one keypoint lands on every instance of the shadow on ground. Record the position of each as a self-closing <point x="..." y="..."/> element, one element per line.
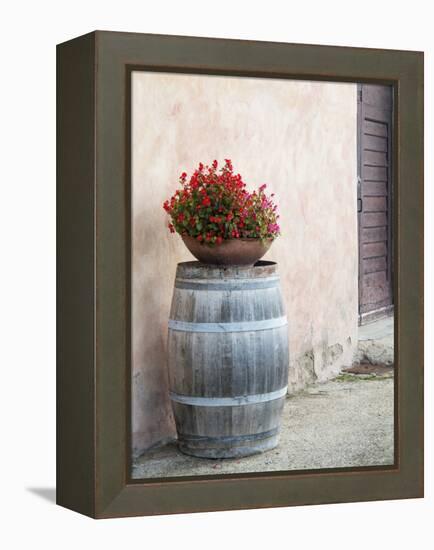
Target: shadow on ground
<point x="46" y="493"/>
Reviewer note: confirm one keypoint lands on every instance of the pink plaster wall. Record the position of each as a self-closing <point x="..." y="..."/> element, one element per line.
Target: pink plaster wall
<point x="300" y="139"/>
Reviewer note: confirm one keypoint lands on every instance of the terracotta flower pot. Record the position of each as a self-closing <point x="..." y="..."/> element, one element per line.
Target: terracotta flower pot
<point x="230" y="252"/>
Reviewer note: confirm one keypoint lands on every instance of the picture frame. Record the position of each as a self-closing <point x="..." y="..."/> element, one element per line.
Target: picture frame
<point x="93" y="278"/>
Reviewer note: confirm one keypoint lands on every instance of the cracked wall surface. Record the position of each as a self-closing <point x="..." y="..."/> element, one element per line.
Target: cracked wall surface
<point x="299" y="138"/>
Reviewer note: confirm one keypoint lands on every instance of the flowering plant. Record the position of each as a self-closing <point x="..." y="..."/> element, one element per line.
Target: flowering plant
<point x="213" y="206"/>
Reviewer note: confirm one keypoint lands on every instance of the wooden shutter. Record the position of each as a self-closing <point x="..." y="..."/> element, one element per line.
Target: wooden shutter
<point x="375" y="108"/>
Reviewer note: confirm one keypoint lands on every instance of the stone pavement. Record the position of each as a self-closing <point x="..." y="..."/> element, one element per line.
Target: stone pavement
<point x="382" y="328"/>
<point x="376" y="343"/>
<point x="346" y="422"/>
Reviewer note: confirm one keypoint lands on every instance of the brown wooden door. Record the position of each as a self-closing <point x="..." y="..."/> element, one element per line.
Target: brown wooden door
<point x="374" y="200"/>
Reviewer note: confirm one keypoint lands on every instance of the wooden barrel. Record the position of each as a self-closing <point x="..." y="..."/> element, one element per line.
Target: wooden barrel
<point x="227" y="358"/>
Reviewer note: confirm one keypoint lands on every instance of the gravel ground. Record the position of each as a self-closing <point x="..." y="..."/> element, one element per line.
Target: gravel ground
<point x="346" y="422"/>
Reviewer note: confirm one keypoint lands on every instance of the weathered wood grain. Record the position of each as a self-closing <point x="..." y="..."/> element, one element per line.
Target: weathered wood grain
<point x="374" y="234"/>
<point x="375" y="189"/>
<point x="372" y="158"/>
<point x="374" y="173"/>
<point x="374" y="250"/>
<point x="377" y="219"/>
<point x="375" y="204"/>
<point x="375" y="121"/>
<point x="373" y="265"/>
<point x="375" y="128"/>
<point x="232" y="358"/>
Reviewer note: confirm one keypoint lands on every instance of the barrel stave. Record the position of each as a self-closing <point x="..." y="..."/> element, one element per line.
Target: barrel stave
<point x="228" y="421"/>
<point x="228" y="429"/>
<point x="221" y="306"/>
<point x="239" y="363"/>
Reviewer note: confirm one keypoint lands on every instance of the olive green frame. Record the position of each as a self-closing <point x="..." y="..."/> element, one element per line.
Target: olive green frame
<point x="93" y="224"/>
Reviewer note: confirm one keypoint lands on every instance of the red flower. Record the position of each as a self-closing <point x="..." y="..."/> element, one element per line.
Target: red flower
<point x="223" y="193"/>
